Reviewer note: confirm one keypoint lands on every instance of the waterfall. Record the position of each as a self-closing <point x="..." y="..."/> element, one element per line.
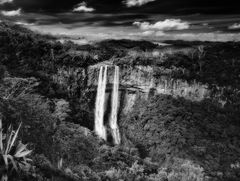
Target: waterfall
<point x="100" y="106"/>
<point x="114" y="113"/>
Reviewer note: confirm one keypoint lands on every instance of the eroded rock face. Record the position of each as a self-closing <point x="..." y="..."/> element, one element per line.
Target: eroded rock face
<point x="140" y="82"/>
<point x="136" y="82"/>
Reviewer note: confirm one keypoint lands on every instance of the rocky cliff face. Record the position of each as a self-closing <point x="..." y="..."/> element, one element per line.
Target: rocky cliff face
<point x="140" y="82"/>
<point x="136" y="82"/>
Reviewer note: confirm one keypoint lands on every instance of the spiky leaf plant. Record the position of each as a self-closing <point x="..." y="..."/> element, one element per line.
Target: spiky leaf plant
<point x="13" y="154"/>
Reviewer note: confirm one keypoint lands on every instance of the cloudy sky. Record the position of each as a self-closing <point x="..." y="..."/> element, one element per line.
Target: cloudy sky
<point x="154" y="20"/>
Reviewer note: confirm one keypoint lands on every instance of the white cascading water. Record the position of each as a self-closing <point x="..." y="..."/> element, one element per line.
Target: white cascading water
<point x="114" y="113"/>
<point x="100" y="104"/>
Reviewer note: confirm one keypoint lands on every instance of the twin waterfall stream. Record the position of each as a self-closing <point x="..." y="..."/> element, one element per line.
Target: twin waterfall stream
<point x="100" y="129"/>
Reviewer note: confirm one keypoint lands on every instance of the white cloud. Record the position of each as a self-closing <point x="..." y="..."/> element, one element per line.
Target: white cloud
<point x="160" y="33"/>
<point x="148" y="33"/>
<point x="5" y="1"/>
<point x="24" y="23"/>
<point x="144" y="34"/>
<point x="234" y="26"/>
<point x="131" y="3"/>
<point x="12" y="13"/>
<point x="168" y="24"/>
<point x="82" y="7"/>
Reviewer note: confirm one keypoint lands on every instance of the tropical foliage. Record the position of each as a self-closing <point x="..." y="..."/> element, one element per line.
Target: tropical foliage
<point x="13" y="153"/>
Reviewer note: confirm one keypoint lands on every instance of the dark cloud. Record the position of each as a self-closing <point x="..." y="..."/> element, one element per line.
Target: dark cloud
<point x="106" y="20"/>
<point x="46" y="5"/>
<point x="67" y="5"/>
<point x="190" y="6"/>
<point x="157" y="6"/>
<point x="7" y="5"/>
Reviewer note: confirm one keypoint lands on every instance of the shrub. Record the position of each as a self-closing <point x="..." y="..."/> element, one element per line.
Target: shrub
<point x="135" y="172"/>
<point x="185" y="170"/>
<point x="180" y="170"/>
<point x="13" y="154"/>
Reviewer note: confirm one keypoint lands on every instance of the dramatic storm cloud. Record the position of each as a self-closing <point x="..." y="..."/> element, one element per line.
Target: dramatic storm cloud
<point x="235" y="26"/>
<point x="127" y="6"/>
<point x="168" y="24"/>
<point x="12" y="13"/>
<point x="103" y="19"/>
<point x="131" y="3"/>
<point x="5" y="1"/>
<point x="82" y="7"/>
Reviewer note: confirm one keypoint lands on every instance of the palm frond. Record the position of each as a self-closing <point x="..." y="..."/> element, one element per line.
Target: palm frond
<point x="1" y="136"/>
<point x="23" y="153"/>
<point x="13" y="154"/>
<point x="20" y="147"/>
<point x="15" y="136"/>
<point x="13" y="162"/>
